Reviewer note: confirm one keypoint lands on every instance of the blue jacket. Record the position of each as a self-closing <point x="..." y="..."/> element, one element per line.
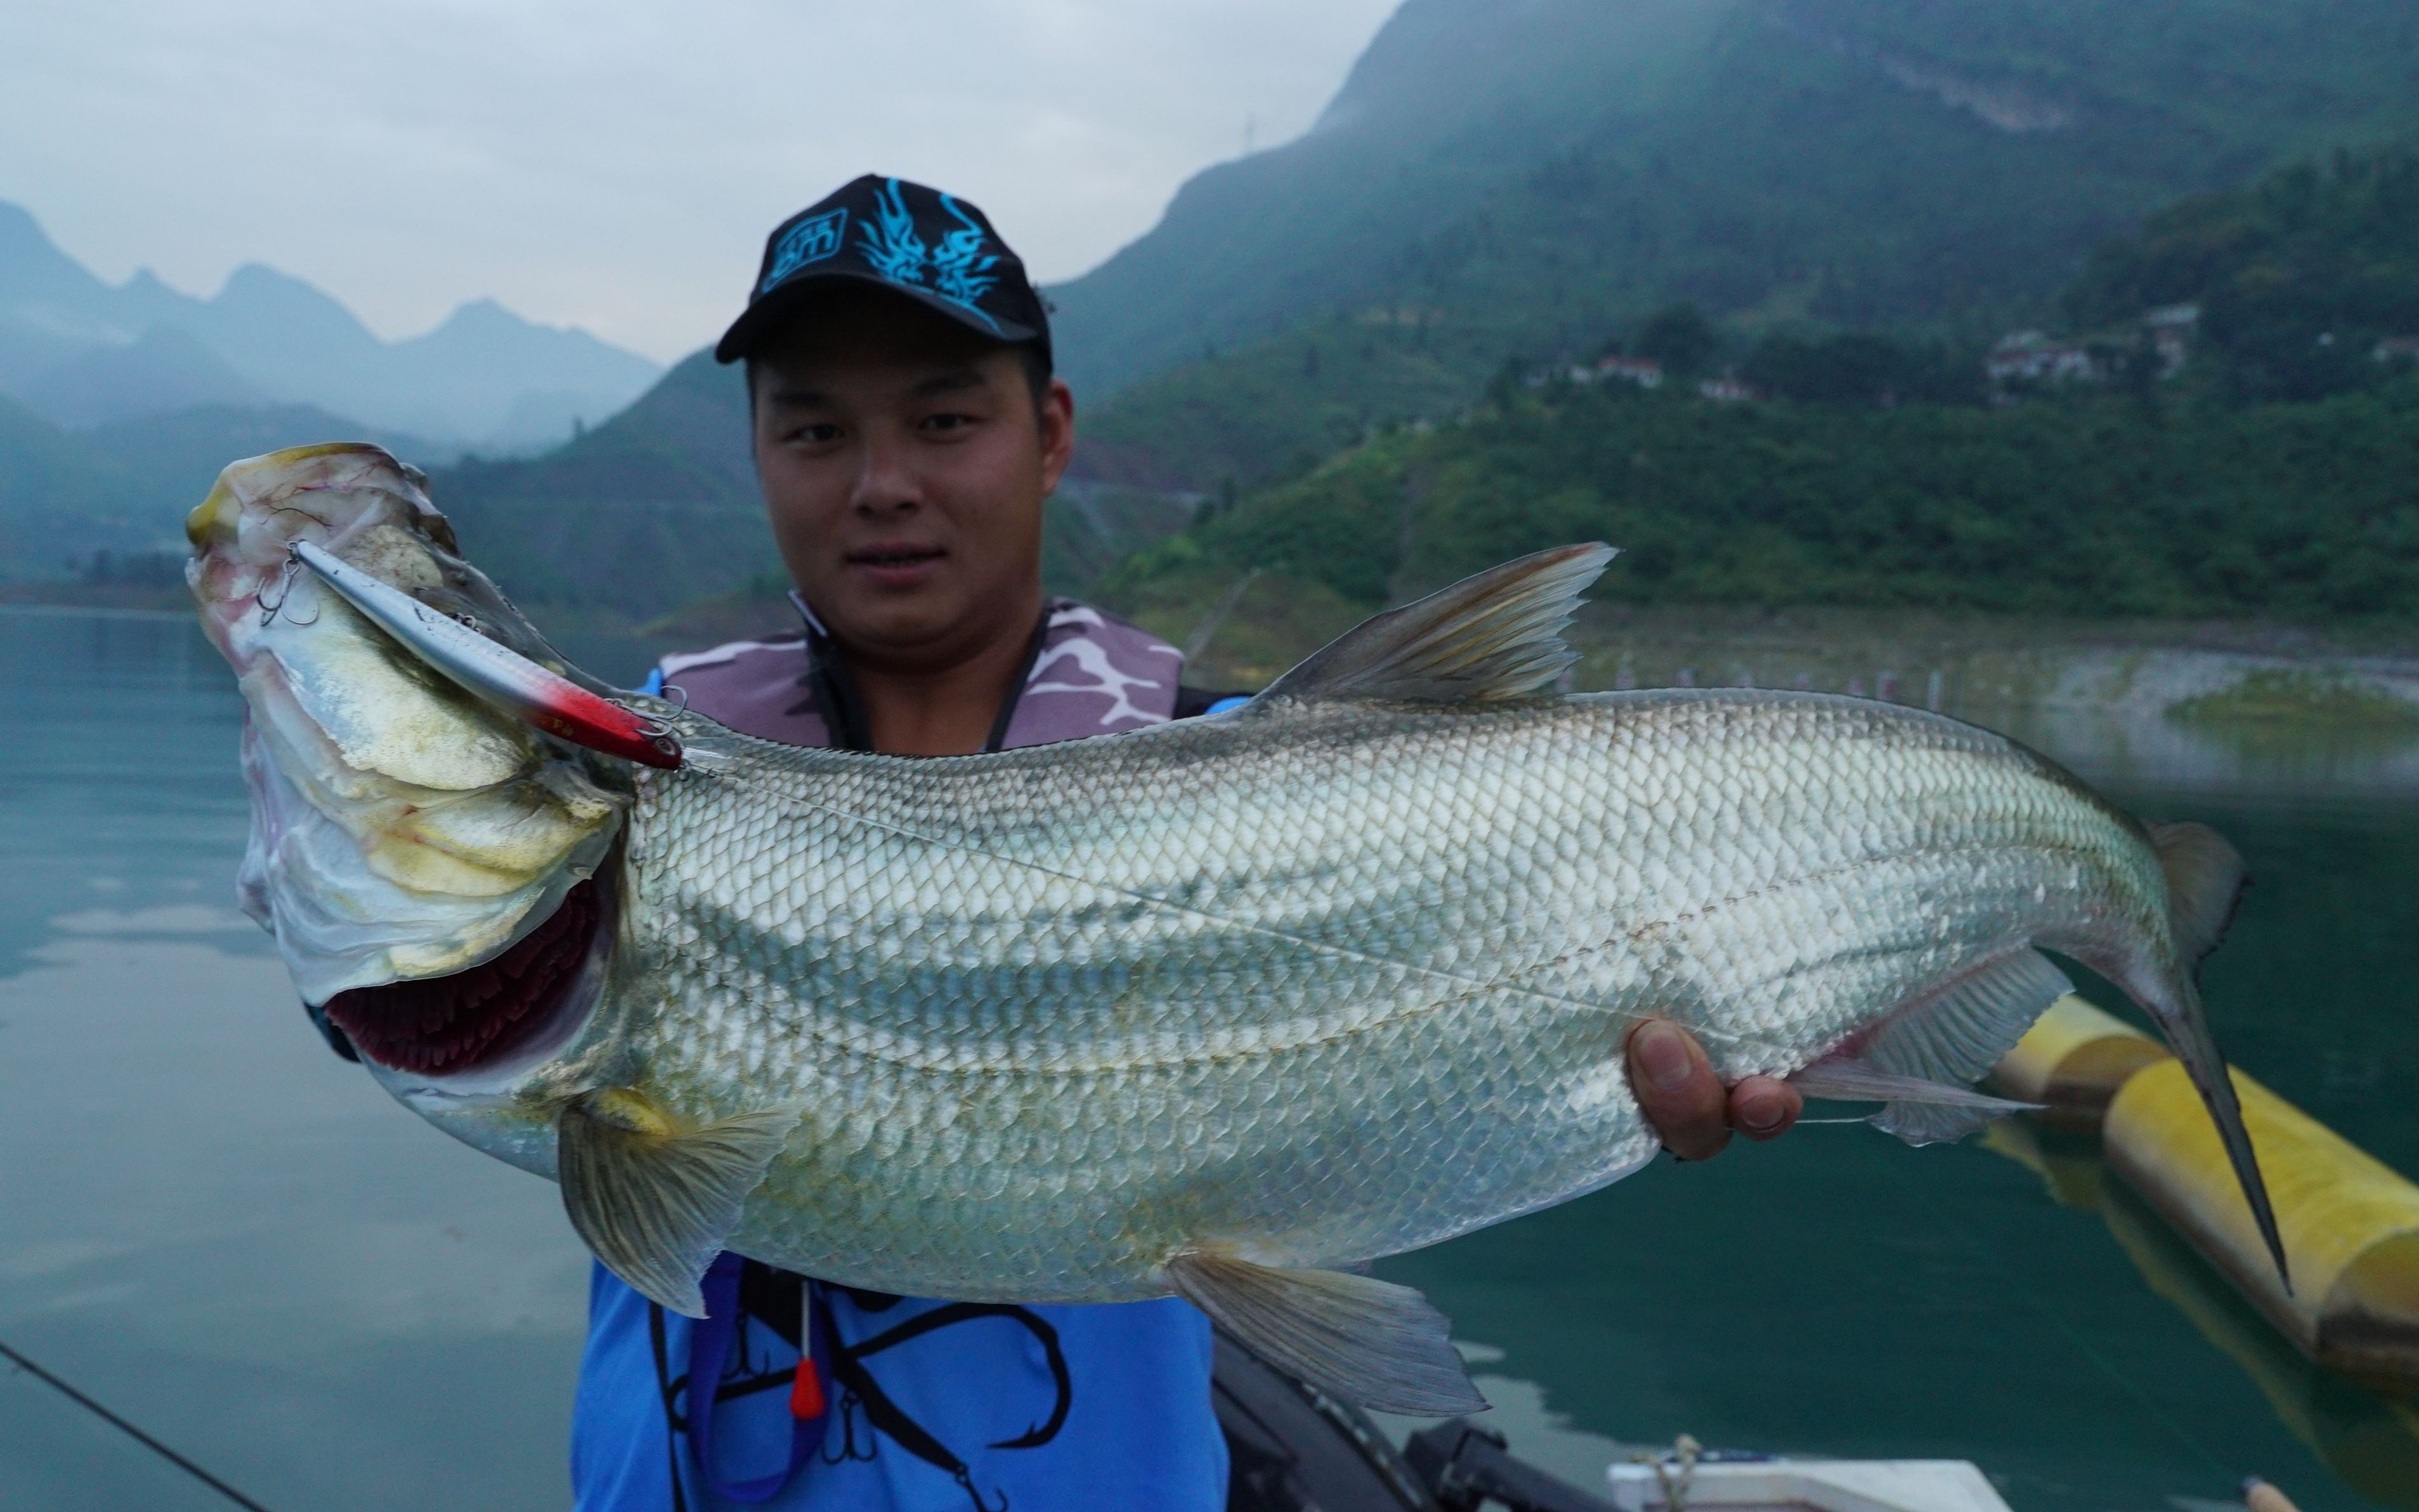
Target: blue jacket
<point x="950" y="1407"/>
<point x="927" y="1405"/>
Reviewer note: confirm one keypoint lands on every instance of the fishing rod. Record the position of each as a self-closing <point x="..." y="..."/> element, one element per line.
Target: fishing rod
<point x="129" y="1430"/>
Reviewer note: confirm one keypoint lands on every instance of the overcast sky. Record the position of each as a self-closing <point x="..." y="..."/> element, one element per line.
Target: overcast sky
<point x="615" y="163"/>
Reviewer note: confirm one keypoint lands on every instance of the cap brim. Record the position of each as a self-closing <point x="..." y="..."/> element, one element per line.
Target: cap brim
<point x="775" y="309"/>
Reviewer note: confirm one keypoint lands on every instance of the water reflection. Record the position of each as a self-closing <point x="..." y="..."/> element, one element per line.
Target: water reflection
<point x="2144" y="745"/>
<point x="2370" y="1438"/>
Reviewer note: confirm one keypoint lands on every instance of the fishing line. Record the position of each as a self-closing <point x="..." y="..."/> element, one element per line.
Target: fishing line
<point x="120" y="1424"/>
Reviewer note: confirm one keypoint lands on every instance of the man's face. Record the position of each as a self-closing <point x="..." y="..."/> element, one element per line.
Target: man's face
<point x="904" y="467"/>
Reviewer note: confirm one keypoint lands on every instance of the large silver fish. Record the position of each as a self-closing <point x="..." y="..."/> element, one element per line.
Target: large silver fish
<point x="1220" y="1009"/>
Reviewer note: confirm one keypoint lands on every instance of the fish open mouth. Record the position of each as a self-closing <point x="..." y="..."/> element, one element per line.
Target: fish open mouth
<point x="526" y="998"/>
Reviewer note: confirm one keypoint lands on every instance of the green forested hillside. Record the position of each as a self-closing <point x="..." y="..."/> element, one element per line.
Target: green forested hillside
<point x="1528" y="180"/>
<point x="2298" y="277"/>
<point x="2100" y="506"/>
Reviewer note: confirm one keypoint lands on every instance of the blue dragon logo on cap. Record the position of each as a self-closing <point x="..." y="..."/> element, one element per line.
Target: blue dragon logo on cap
<point x="959" y="268"/>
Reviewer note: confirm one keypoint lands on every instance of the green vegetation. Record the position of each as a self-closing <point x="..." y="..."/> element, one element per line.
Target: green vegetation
<point x="1277" y="408"/>
<point x="2298" y="277"/>
<point x="1858" y="367"/>
<point x="51" y="492"/>
<point x="2098" y="506"/>
<point x="2301" y="698"/>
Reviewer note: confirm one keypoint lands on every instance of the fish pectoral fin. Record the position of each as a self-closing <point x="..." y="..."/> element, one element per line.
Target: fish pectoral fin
<point x="652" y="1201"/>
<point x="1955" y="1033"/>
<point x="1919" y="1112"/>
<point x="1495" y="635"/>
<point x="1360" y="1340"/>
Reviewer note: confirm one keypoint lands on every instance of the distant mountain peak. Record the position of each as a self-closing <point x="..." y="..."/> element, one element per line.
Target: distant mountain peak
<point x="478" y="378"/>
<point x="34" y="269"/>
<point x="487" y="314"/>
<point x="17" y="226"/>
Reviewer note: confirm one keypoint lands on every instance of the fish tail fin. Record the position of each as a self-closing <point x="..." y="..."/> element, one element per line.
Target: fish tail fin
<point x="2205" y="879"/>
<point x="2205" y="882"/>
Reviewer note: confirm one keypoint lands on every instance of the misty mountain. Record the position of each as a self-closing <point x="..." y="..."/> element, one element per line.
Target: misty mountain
<point x="80" y="352"/>
<point x="655" y="508"/>
<point x="162" y="370"/>
<point x="124" y="487"/>
<point x="1532" y="178"/>
<point x="59" y="499"/>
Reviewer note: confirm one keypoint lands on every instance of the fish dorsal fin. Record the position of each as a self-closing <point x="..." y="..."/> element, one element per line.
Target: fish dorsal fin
<point x="654" y="1202"/>
<point x="1923" y="1059"/>
<point x="1495" y="635"/>
<point x="1360" y="1340"/>
<point x="2205" y="880"/>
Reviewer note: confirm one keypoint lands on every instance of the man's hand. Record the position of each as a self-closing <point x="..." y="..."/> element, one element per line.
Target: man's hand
<point x="1685" y="1101"/>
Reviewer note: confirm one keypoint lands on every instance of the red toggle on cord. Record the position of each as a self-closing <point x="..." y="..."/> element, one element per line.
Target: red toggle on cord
<point x="807" y="1387"/>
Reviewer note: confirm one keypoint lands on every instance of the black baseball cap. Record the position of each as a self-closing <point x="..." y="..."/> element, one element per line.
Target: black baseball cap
<point x="934" y="248"/>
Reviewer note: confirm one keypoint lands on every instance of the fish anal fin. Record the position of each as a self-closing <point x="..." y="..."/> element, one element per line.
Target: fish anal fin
<point x="1939" y="1123"/>
<point x="1923" y="1059"/>
<point x="1494" y="636"/>
<point x="655" y="1201"/>
<point x="1918" y="1112"/>
<point x="1360" y="1340"/>
<point x="2205" y="880"/>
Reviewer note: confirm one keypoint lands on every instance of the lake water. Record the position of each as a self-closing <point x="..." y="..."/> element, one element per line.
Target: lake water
<point x="233" y="1239"/>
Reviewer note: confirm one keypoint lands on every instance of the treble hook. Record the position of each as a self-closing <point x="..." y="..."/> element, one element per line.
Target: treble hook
<point x="966" y="1482"/>
<point x="847" y="1449"/>
<point x="286" y="576"/>
<point x="661" y="731"/>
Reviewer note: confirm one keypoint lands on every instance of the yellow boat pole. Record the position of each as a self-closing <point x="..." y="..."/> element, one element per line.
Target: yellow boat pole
<point x="2351" y="1223"/>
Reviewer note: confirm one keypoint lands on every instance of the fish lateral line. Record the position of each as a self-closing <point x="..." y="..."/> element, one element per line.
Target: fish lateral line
<point x="1476" y="985"/>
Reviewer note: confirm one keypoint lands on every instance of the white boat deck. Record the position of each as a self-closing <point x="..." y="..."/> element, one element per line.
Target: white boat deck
<point x="1819" y="1485"/>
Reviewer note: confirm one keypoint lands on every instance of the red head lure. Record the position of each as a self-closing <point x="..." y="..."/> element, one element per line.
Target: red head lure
<point x="502" y="676"/>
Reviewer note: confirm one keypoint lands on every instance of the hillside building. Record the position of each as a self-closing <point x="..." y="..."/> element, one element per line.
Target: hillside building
<point x="2171" y="329"/>
<point x="1643" y="371"/>
<point x="2031" y="357"/>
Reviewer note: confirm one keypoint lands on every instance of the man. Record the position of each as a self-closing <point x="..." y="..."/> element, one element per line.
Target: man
<point x="907" y="429"/>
